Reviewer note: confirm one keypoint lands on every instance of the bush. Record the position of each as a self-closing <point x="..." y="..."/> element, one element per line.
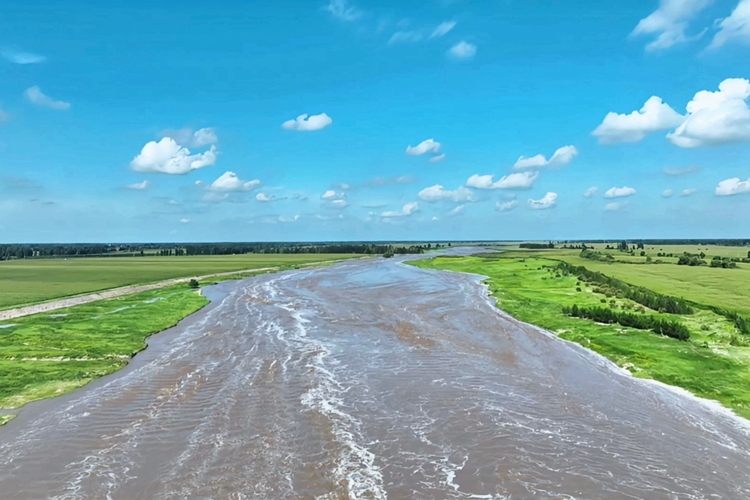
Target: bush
<point x="578" y="289"/>
<point x="193" y="283"/>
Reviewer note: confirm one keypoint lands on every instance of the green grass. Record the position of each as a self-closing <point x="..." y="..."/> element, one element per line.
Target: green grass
<point x="28" y="281"/>
<point x="714" y="364"/>
<point x="48" y="354"/>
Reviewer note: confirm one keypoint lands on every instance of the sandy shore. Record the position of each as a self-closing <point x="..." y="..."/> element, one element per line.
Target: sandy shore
<point x="111" y="293"/>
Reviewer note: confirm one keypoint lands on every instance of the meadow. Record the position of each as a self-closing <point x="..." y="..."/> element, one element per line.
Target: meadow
<point x="714" y="363"/>
<point x="29" y="281"/>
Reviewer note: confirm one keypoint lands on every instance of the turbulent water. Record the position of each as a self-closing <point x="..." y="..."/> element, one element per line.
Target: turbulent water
<point x="370" y="380"/>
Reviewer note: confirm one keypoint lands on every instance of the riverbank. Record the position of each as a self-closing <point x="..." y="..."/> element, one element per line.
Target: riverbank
<point x="713" y="364"/>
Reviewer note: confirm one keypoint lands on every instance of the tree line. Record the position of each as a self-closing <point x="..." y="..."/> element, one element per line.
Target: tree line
<point x="673" y="329"/>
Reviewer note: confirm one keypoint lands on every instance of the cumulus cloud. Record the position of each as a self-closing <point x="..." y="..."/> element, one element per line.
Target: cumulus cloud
<point x="406" y="210"/>
<point x="341" y="10"/>
<point x="19" y="56"/>
<point x="198" y="139"/>
<point x="590" y="192"/>
<point x="518" y="180"/>
<point x="303" y="123"/>
<point x="689" y="191"/>
<point x="229" y="182"/>
<point x="265" y="197"/>
<point x="733" y="186"/>
<point x="331" y="194"/>
<point x="615" y="206"/>
<point x="462" y="50"/>
<point x="548" y="201"/>
<point x="139" y="185"/>
<point x="681" y="171"/>
<point x="36" y="96"/>
<point x="168" y="157"/>
<point x="736" y="27"/>
<point x="506" y="205"/>
<point x="617" y="192"/>
<point x="438" y="193"/>
<point x="426" y="146"/>
<point x="715" y="118"/>
<point x="653" y="116"/>
<point x="667" y="193"/>
<point x="670" y="22"/>
<point x="562" y="156"/>
<point x="443" y="29"/>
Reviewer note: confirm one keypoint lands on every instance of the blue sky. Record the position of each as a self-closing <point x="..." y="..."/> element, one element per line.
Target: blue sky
<point x="179" y="121"/>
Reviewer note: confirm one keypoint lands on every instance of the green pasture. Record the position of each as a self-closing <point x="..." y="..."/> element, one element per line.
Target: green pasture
<point x="714" y="363"/>
<point x="28" y="281"/>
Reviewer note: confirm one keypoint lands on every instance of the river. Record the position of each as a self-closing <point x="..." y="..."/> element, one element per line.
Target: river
<point x="370" y="380"/>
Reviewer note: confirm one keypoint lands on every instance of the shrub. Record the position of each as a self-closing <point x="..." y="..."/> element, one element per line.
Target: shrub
<point x="193" y="283"/>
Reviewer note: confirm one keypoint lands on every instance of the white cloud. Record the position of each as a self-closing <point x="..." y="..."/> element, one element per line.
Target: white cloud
<point x="518" y="180"/>
<point x="339" y="203"/>
<point x="457" y="211"/>
<point x="229" y="182"/>
<point x="264" y="197"/>
<point x="198" y="139"/>
<point x="19" y="56"/>
<point x="426" y="146"/>
<point x="733" y="186"/>
<point x="715" y="118"/>
<point x="505" y="206"/>
<point x="667" y="193"/>
<point x="654" y="115"/>
<point x="438" y="193"/>
<point x="341" y="10"/>
<point x="443" y="29"/>
<point x="435" y="217"/>
<point x="288" y="219"/>
<point x="689" y="191"/>
<point x="615" y="206"/>
<point x="35" y="95"/>
<point x="303" y="123"/>
<point x="562" y="156"/>
<point x="548" y="201"/>
<point x="331" y="194"/>
<point x="462" y="50"/>
<point x="139" y="185"/>
<point x="437" y="158"/>
<point x="590" y="192"/>
<point x="184" y="221"/>
<point x="735" y="27"/>
<point x="681" y="171"/>
<point x="405" y="37"/>
<point x="407" y="209"/>
<point x="669" y="22"/>
<point x="168" y="157"/>
<point x="616" y="192"/>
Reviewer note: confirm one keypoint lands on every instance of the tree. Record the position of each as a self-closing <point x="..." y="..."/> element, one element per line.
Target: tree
<point x="193" y="283"/>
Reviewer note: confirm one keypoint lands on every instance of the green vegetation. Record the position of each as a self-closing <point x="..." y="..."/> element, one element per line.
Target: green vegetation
<point x="28" y="281"/>
<point x="45" y="355"/>
<point x="713" y="363"/>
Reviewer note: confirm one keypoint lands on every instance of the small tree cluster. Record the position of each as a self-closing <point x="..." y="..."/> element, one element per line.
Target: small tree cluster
<point x="673" y="329"/>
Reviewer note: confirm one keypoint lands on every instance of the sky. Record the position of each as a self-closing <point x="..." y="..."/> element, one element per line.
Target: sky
<point x="323" y="120"/>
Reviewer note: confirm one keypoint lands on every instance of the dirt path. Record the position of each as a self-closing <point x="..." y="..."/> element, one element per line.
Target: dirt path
<point x="111" y="293"/>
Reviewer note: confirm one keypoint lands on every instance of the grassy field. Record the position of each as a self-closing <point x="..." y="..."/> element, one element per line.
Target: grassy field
<point x="714" y="363"/>
<point x="28" y="281"/>
<point x="45" y="355"/>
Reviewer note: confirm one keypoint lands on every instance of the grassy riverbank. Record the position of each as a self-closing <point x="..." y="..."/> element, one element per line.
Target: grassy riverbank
<point x="714" y="363"/>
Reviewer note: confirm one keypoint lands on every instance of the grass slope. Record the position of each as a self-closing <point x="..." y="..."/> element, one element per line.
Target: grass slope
<point x="45" y="355"/>
<point x="28" y="281"/>
<point x="714" y="364"/>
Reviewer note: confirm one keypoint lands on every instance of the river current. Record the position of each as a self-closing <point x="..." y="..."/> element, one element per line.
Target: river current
<point x="370" y="380"/>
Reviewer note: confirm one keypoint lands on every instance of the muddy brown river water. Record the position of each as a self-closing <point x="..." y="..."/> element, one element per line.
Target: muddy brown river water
<point x="370" y="380"/>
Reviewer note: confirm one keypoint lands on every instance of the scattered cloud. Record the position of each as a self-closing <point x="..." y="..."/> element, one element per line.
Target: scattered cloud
<point x="733" y="186"/>
<point x="438" y="193"/>
<point x="688" y="192"/>
<point x="681" y="171"/>
<point x="548" y="201"/>
<point x="341" y="10"/>
<point x="667" y="193"/>
<point x="518" y="180"/>
<point x="303" y="123"/>
<point x="590" y="192"/>
<point x="426" y="146"/>
<point x="340" y="203"/>
<point x="736" y="27"/>
<point x="139" y="185"/>
<point x="168" y="157"/>
<point x="670" y="22"/>
<point x="562" y="156"/>
<point x="716" y="118"/>
<point x="443" y="29"/>
<point x="19" y="56"/>
<point x="229" y="182"/>
<point x="506" y="205"/>
<point x="459" y="210"/>
<point x="186" y="137"/>
<point x="265" y="197"/>
<point x="288" y="219"/>
<point x="653" y="116"/>
<point x="405" y="37"/>
<point x="406" y="210"/>
<point x="462" y="50"/>
<point x="437" y="158"/>
<point x="615" y="206"/>
<point x="34" y="95"/>
<point x="617" y="192"/>
<point x="184" y="221"/>
<point x="331" y="194"/>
